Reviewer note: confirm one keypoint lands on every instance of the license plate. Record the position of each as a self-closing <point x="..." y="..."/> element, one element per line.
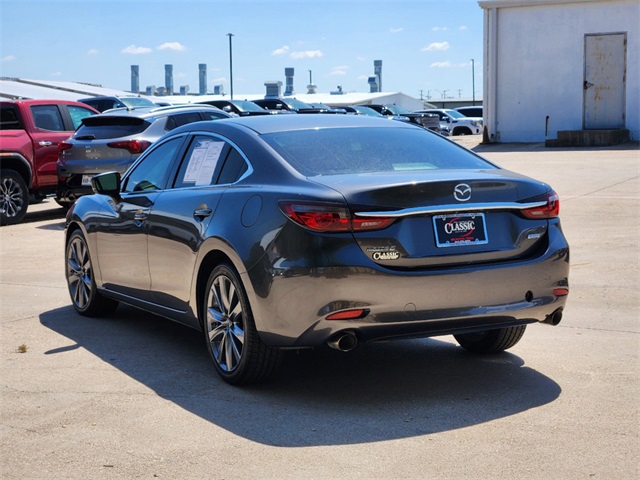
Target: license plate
<point x="86" y="180"/>
<point x="460" y="229"/>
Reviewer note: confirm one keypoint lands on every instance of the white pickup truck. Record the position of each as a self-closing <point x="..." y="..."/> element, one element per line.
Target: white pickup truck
<point x="456" y="123"/>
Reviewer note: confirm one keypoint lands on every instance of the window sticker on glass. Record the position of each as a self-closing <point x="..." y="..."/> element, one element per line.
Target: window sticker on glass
<point x="202" y="162"/>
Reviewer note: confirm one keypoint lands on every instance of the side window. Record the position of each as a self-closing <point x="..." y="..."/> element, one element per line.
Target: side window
<point x="233" y="168"/>
<point x="47" y="117"/>
<point x="200" y="162"/>
<point x="213" y="115"/>
<point x="77" y="114"/>
<point x="175" y="121"/>
<point x="153" y="171"/>
<point x="9" y="118"/>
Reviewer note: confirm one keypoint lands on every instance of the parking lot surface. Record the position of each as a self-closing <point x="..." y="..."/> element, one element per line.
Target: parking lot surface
<point x="135" y="396"/>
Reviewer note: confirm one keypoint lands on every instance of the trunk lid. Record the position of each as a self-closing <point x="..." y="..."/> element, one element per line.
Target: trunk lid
<point x="453" y="217"/>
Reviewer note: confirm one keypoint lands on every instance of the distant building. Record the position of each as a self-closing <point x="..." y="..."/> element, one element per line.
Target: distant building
<point x="560" y="65"/>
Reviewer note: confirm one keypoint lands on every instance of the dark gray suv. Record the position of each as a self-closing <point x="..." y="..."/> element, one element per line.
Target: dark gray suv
<point x="112" y="140"/>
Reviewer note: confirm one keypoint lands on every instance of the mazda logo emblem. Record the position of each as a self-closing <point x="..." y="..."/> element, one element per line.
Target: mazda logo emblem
<point x="462" y="192"/>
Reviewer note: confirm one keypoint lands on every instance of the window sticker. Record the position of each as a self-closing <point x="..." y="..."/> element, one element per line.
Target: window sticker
<point x="203" y="162"/>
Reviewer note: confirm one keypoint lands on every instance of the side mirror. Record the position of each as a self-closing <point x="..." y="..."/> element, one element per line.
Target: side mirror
<point x="107" y="184"/>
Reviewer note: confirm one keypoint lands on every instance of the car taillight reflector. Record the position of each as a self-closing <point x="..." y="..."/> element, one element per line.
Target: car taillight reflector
<point x="331" y="218"/>
<point x="349" y="314"/>
<point x="134" y="146"/>
<point x="550" y="209"/>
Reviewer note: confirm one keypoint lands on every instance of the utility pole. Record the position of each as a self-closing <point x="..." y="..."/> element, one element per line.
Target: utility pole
<point x="473" y="81"/>
<point x="230" y="64"/>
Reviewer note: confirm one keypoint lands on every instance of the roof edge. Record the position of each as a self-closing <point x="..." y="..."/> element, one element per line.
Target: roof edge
<point x="489" y="4"/>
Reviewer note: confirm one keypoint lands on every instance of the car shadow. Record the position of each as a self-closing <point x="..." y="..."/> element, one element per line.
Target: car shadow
<point x="378" y="392"/>
<point x="43" y="212"/>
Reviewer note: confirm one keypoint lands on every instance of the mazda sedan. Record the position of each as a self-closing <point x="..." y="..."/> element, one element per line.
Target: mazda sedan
<point x="296" y="231"/>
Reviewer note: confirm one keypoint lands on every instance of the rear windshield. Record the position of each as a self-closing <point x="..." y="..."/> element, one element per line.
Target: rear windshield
<point x="137" y="102"/>
<point x="10" y="118"/>
<point x="335" y="151"/>
<point x="104" y="127"/>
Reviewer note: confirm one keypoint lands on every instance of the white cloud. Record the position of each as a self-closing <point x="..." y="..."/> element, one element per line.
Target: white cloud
<point x="8" y="58"/>
<point x="360" y="58"/>
<point x="175" y="46"/>
<point x="339" y="71"/>
<point x="281" y="51"/>
<point x="441" y="65"/>
<point x="306" y="54"/>
<point x="439" y="29"/>
<point x="135" y="50"/>
<point x="92" y="51"/>
<point x="462" y="27"/>
<point x="436" y="47"/>
<point x="56" y="74"/>
<point x="396" y="30"/>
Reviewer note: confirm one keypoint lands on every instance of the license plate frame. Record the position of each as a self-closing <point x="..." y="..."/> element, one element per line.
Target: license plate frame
<point x="86" y="180"/>
<point x="460" y="230"/>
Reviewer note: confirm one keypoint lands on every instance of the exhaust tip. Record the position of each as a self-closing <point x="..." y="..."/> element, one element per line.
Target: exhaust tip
<point x="345" y="341"/>
<point x="555" y="318"/>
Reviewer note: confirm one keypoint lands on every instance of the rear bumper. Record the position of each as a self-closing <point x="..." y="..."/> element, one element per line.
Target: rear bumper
<point x="428" y="303"/>
<point x="70" y="188"/>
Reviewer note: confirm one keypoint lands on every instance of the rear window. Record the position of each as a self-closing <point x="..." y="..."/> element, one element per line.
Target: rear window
<point x="10" y="118"/>
<point x="104" y="127"/>
<point x="334" y="151"/>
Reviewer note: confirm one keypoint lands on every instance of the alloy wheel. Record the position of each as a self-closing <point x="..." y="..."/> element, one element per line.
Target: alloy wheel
<point x="225" y="324"/>
<point x="12" y="197"/>
<point x="79" y="273"/>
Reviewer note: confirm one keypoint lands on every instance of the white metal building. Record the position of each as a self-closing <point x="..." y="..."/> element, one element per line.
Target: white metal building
<point x="560" y="65"/>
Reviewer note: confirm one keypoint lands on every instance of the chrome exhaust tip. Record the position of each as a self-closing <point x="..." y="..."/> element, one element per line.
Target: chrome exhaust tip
<point x="554" y="319"/>
<point x="345" y="341"/>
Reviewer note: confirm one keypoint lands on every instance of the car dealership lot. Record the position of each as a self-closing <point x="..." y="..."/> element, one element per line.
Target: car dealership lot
<point x="135" y="396"/>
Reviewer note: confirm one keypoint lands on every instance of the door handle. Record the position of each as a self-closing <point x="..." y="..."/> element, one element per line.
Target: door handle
<point x="202" y="213"/>
<point x="45" y="144"/>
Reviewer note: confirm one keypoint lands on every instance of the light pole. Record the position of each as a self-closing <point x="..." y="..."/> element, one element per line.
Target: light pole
<point x="473" y="81"/>
<point x="230" y="64"/>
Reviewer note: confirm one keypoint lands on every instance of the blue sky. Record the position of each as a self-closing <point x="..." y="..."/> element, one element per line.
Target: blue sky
<point x="426" y="46"/>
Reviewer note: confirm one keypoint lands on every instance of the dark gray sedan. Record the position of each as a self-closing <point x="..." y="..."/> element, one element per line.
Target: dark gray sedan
<point x="295" y="231"/>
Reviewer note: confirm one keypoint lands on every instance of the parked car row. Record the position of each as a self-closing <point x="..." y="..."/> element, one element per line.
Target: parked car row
<point x="44" y="156"/>
<point x="112" y="141"/>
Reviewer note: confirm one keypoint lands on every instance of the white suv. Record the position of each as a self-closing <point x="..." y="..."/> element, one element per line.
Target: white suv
<point x="456" y="123"/>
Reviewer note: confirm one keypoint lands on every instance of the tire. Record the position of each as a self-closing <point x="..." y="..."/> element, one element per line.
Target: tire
<point x="238" y="354"/>
<point x="36" y="199"/>
<point x="461" y="132"/>
<point x="491" y="341"/>
<point x="66" y="204"/>
<point x="82" y="285"/>
<point x="14" y="197"/>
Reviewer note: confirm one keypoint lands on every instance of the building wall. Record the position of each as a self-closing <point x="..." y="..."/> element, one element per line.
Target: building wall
<point x="534" y="64"/>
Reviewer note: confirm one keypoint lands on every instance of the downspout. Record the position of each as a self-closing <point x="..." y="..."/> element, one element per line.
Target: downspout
<point x="490" y="83"/>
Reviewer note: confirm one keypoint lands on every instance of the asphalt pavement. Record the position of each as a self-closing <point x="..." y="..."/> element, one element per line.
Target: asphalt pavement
<point x="135" y="396"/>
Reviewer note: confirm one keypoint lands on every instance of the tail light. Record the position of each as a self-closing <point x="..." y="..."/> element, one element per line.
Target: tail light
<point x="134" y="146"/>
<point x="550" y="209"/>
<point x="321" y="217"/>
<point x="64" y="146"/>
